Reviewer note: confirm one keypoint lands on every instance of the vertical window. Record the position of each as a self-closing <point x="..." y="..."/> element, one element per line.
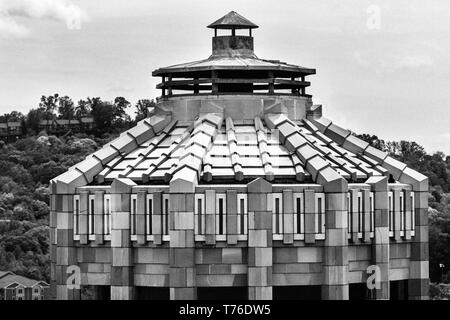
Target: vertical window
<point x="221" y="218"/>
<point x="91" y="213"/>
<point x="149" y="215"/>
<point x="199" y="211"/>
<point x="277" y="216"/>
<point x="413" y="218"/>
<point x="320" y="215"/>
<point x="165" y="217"/>
<point x="360" y="214"/>
<point x="299" y="217"/>
<point x="76" y="216"/>
<point x="349" y="215"/>
<point x="402" y="214"/>
<point x="133" y="214"/>
<point x="372" y="214"/>
<point x="107" y="215"/>
<point x="242" y="215"/>
<point x="391" y="214"/>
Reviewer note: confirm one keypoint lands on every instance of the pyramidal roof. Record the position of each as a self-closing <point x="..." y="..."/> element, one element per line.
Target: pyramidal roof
<point x="233" y="20"/>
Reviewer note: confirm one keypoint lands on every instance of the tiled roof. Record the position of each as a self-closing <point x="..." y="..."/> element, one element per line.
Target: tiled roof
<point x="217" y="149"/>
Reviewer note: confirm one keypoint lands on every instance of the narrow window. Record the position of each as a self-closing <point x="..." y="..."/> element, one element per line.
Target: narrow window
<point x="391" y="214"/>
<point x="413" y="219"/>
<point x="372" y="215"/>
<point x="149" y="216"/>
<point x="299" y="218"/>
<point x="360" y="216"/>
<point x="242" y="216"/>
<point x="107" y="229"/>
<point x="76" y="216"/>
<point x="91" y="214"/>
<point x="349" y="214"/>
<point x="200" y="216"/>
<point x="221" y="216"/>
<point x="166" y="216"/>
<point x="133" y="216"/>
<point x="277" y="215"/>
<point x="402" y="215"/>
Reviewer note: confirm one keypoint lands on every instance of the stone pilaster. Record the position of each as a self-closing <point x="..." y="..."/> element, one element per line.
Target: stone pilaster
<point x="65" y="251"/>
<point x="380" y="245"/>
<point x="210" y="217"/>
<point x="259" y="241"/>
<point x="310" y="216"/>
<point x="182" y="243"/>
<point x="418" y="283"/>
<point x="335" y="265"/>
<point x="122" y="254"/>
<point x="98" y="217"/>
<point x="288" y="217"/>
<point x="232" y="216"/>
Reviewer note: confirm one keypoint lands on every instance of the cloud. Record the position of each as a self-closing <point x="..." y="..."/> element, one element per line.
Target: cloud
<point x="415" y="61"/>
<point x="58" y="10"/>
<point x="9" y="28"/>
<point x="391" y="62"/>
<point x="446" y="135"/>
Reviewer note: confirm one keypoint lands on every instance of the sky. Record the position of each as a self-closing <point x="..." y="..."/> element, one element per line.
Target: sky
<point x="383" y="67"/>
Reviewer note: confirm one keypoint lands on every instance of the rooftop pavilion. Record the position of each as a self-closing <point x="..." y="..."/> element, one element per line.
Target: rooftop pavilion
<point x="233" y="68"/>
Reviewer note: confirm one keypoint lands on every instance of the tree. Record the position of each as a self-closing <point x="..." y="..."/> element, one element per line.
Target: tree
<point x="82" y="109"/>
<point x="33" y="119"/>
<point x="103" y="114"/>
<point x="120" y="117"/>
<point x="48" y="105"/>
<point x="143" y="109"/>
<point x="14" y="116"/>
<point x="66" y="108"/>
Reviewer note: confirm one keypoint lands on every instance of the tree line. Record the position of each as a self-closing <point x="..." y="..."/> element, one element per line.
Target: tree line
<point x="108" y="116"/>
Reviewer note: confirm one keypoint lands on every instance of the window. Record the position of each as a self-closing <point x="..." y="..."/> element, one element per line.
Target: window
<point x="349" y="215"/>
<point x="107" y="222"/>
<point x="133" y="217"/>
<point x="91" y="216"/>
<point x="20" y="291"/>
<point x="299" y="217"/>
<point x="413" y="219"/>
<point x="36" y="290"/>
<point x="360" y="216"/>
<point x="391" y="214"/>
<point x="165" y="217"/>
<point x="242" y="216"/>
<point x="320" y="216"/>
<point x="277" y="216"/>
<point x="199" y="212"/>
<point x="149" y="217"/>
<point x="221" y="217"/>
<point x="402" y="215"/>
<point x="76" y="217"/>
<point x="372" y="215"/>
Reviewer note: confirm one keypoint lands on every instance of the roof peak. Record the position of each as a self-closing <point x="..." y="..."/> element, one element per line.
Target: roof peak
<point x="233" y="20"/>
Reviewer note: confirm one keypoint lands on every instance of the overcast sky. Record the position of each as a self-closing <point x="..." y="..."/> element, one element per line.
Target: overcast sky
<point x="383" y="67"/>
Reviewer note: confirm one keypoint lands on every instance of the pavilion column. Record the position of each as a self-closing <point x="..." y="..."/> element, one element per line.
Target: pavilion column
<point x="335" y="265"/>
<point x="182" y="245"/>
<point x="418" y="283"/>
<point x="380" y="244"/>
<point x="259" y="240"/>
<point x="63" y="251"/>
<point x="122" y="279"/>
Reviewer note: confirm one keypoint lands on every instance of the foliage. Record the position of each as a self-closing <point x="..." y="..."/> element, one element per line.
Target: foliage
<point x="26" y="167"/>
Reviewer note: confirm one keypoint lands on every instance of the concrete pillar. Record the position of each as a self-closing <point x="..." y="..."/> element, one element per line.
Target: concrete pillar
<point x="418" y="283"/>
<point x="182" y="245"/>
<point x="63" y="250"/>
<point x="259" y="240"/>
<point x="380" y="244"/>
<point x="335" y="265"/>
<point x="122" y="277"/>
<point x="232" y="216"/>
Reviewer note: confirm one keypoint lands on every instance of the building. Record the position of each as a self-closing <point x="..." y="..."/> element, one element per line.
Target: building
<point x="11" y="130"/>
<point x="237" y="186"/>
<point x="61" y="126"/>
<point x="14" y="287"/>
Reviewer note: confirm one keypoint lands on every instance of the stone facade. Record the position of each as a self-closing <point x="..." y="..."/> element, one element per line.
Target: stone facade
<point x="246" y="190"/>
